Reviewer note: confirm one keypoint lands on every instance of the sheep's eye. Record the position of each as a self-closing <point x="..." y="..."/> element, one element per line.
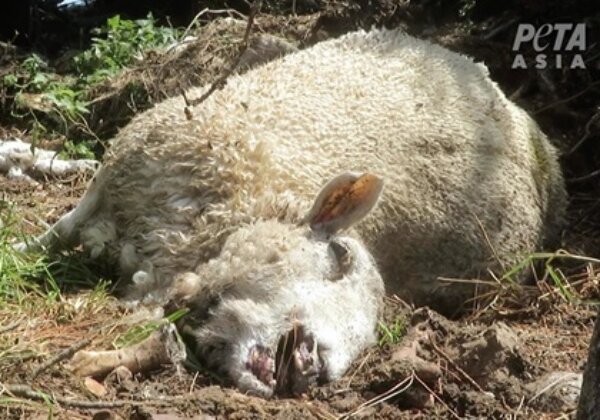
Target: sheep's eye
<point x="343" y="258"/>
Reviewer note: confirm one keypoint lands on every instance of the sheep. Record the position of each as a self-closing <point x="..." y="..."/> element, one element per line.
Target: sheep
<point x="304" y="185"/>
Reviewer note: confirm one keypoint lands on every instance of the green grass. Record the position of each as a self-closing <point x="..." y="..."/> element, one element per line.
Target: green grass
<point x="18" y="270"/>
<point x="391" y="333"/>
<point x="139" y="333"/>
<point x="52" y="105"/>
<point x="551" y="272"/>
<point x="83" y="149"/>
<point x="24" y="276"/>
<point x="118" y="44"/>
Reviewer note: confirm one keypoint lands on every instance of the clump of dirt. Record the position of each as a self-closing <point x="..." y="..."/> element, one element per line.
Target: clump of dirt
<point x="440" y="369"/>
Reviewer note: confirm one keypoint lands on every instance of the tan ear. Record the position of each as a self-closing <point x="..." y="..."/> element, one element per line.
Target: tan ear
<point x="344" y="201"/>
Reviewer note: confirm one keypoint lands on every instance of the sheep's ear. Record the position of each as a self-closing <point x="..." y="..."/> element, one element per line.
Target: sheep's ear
<point x="344" y="201"/>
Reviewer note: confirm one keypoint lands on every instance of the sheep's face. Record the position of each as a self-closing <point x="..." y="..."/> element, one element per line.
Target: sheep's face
<point x="288" y="307"/>
<point x="284" y="306"/>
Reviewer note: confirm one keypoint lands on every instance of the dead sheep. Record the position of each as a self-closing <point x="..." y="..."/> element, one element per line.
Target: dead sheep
<point x="268" y="215"/>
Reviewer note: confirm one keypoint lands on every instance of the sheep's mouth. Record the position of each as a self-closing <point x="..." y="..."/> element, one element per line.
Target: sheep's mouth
<point x="262" y="365"/>
<point x="298" y="362"/>
<point x="296" y="366"/>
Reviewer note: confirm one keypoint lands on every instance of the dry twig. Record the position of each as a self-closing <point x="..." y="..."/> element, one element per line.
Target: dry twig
<point x="437" y="398"/>
<point x="587" y="134"/>
<point x="25" y="391"/>
<point x="397" y="389"/>
<point x="222" y="80"/>
<point x="458" y="369"/>
<point x="567" y="99"/>
<point x="63" y="355"/>
<point x="11" y="326"/>
<point x="584" y="178"/>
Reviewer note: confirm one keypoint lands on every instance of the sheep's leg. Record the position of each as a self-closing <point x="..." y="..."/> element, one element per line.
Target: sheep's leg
<point x="64" y="233"/>
<point x="162" y="347"/>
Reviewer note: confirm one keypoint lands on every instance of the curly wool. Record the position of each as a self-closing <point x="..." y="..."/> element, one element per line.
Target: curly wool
<point x="471" y="182"/>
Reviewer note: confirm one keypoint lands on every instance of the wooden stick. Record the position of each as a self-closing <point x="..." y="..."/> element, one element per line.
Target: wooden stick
<point x="63" y="355"/>
<point x="220" y="82"/>
<point x="25" y="391"/>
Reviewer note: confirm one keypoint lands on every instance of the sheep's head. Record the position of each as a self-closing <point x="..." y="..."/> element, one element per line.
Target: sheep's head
<point x="284" y="306"/>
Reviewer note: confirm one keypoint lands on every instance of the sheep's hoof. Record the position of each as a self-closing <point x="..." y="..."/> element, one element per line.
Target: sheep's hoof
<point x="162" y="347"/>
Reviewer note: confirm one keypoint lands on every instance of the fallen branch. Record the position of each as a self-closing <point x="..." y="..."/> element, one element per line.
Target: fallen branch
<point x="25" y="391"/>
<point x="63" y="355"/>
<point x="587" y="134"/>
<point x="567" y="99"/>
<point x="584" y="178"/>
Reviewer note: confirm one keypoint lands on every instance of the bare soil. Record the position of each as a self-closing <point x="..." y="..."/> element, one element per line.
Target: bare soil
<point x="440" y="369"/>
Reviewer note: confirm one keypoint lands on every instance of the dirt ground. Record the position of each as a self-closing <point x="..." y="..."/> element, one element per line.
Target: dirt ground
<point x="518" y="356"/>
<point x="479" y="368"/>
